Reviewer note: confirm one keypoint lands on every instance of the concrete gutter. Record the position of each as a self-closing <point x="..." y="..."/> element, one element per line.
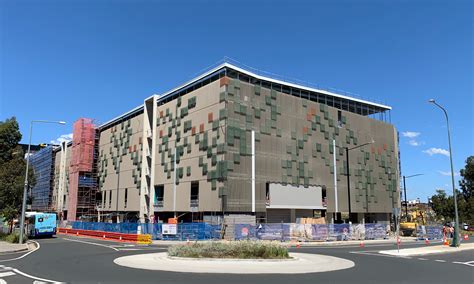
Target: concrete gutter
<point x="429" y="250"/>
<point x="303" y="244"/>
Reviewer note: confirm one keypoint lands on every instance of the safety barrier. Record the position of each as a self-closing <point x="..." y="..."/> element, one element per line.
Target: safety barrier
<point x="134" y="238"/>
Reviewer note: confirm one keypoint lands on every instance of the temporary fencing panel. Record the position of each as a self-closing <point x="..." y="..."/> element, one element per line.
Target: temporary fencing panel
<point x="124" y="228"/>
<point x="276" y="232"/>
<point x="185" y="231"/>
<point x="310" y="232"/>
<point x="429" y="232"/>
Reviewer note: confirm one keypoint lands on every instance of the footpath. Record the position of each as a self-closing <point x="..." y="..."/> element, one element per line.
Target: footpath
<point x="6" y="247"/>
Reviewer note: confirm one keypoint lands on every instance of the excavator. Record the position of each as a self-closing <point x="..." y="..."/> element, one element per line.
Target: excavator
<point x="414" y="218"/>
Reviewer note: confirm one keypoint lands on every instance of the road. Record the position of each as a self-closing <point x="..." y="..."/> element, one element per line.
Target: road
<point x="81" y="260"/>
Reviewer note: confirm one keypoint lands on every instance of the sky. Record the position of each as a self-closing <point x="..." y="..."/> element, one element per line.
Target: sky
<point x="61" y="60"/>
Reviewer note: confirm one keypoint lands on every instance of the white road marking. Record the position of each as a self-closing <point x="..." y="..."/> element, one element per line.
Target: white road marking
<point x="440" y="260"/>
<point x="126" y="249"/>
<point x="34" y="277"/>
<point x="129" y="249"/>
<point x="6" y="274"/>
<point x="408" y="243"/>
<point x="468" y="263"/>
<point x="378" y="254"/>
<point x="420" y="258"/>
<point x="3" y="281"/>
<point x="91" y="243"/>
<point x="20" y="257"/>
<point x="10" y="273"/>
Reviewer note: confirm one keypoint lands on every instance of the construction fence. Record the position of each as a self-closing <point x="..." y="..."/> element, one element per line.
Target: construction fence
<point x="184" y="231"/>
<point x="277" y="232"/>
<point x="310" y="232"/>
<point x="433" y="232"/>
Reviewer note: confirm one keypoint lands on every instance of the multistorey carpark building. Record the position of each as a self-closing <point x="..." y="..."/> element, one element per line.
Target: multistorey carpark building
<point x="232" y="141"/>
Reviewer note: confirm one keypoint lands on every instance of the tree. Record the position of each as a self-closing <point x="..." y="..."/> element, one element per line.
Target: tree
<point x="467" y="193"/>
<point x="10" y="136"/>
<point x="442" y="205"/>
<point x="12" y="170"/>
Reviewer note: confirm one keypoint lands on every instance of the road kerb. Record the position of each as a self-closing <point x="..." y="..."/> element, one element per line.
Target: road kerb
<point x="428" y="250"/>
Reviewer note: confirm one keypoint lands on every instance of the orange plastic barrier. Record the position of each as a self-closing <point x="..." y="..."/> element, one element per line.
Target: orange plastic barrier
<point x="134" y="238"/>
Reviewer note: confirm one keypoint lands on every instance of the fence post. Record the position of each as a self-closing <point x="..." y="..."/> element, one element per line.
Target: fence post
<point x="281" y="232"/>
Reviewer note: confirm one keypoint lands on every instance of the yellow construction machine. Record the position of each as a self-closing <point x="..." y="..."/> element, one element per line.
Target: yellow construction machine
<point x="415" y="218"/>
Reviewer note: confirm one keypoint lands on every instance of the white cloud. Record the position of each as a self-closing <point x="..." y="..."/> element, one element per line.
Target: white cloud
<point x="415" y="143"/>
<point x="447" y="174"/>
<point x="410" y="134"/>
<point x="64" y="137"/>
<point x="436" y="151"/>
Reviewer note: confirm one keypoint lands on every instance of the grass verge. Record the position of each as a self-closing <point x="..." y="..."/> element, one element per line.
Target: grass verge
<point x="236" y="250"/>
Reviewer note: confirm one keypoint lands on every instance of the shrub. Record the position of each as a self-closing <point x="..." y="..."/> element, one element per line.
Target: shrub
<point x="237" y="249"/>
<point x="12" y="238"/>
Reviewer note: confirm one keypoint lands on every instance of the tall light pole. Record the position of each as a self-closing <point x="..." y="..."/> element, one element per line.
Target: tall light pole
<point x="348" y="175"/>
<point x="456" y="224"/>
<point x="25" y="188"/>
<point x="405" y="193"/>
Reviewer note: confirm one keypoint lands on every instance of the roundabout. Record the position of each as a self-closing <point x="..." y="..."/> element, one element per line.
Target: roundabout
<point x="298" y="263"/>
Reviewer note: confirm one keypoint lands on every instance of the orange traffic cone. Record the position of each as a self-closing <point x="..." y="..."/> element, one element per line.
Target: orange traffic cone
<point x="427" y="241"/>
<point x="446" y="242"/>
<point x="466" y="237"/>
<point x="298" y="245"/>
<point x="361" y="244"/>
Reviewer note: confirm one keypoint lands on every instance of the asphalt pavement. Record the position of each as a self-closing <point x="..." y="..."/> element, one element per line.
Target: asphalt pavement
<point x="83" y="260"/>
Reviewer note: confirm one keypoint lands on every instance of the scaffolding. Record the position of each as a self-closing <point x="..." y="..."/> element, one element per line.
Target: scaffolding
<point x="83" y="186"/>
<point x="43" y="168"/>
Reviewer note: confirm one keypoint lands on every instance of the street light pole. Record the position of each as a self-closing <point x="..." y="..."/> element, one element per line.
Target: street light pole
<point x="405" y="193"/>
<point x="456" y="224"/>
<point x="25" y="188"/>
<point x="348" y="173"/>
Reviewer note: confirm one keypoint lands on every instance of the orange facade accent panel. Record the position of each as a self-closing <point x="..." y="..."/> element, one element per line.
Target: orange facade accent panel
<point x="305" y="130"/>
<point x="201" y="128"/>
<point x="224" y="81"/>
<point x="210" y="117"/>
<point x="193" y="130"/>
<point x="161" y="133"/>
<point x="309" y="116"/>
<point x="385" y="146"/>
<point x="161" y="114"/>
